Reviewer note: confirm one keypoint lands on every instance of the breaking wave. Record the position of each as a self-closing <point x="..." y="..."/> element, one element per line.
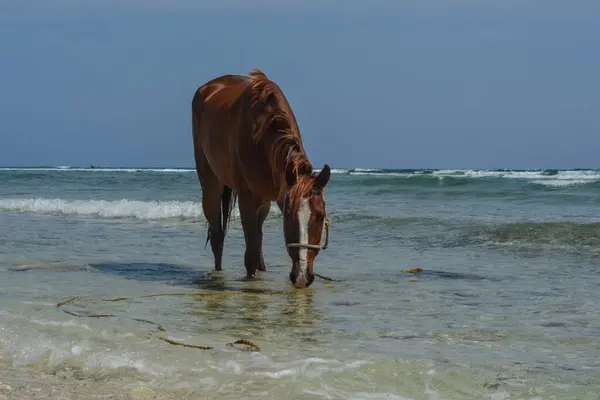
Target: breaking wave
<point x="118" y="209"/>
<point x="548" y="178"/>
<point x="145" y="210"/>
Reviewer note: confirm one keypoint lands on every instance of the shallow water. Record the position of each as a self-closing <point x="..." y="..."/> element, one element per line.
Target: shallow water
<point x="505" y="307"/>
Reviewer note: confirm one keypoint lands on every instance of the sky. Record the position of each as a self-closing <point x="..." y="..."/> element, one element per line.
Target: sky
<point x="373" y="84"/>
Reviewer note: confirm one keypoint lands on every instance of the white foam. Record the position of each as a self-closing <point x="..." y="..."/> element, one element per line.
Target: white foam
<point x="333" y="170"/>
<point x="367" y="170"/>
<point x="311" y="368"/>
<point x="104" y="361"/>
<point x="146" y="210"/>
<point x="563" y="182"/>
<point x="167" y="367"/>
<point x="69" y="323"/>
<point x="380" y="174"/>
<point x="124" y="208"/>
<point x="339" y="171"/>
<point x="561" y="178"/>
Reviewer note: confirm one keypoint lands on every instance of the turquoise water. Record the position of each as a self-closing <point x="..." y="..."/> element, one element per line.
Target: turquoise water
<point x="506" y="306"/>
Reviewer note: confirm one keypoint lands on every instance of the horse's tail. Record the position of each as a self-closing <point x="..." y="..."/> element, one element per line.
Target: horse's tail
<point x="228" y="200"/>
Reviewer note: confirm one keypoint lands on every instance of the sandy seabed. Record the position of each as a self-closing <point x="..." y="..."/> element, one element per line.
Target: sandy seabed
<point x="25" y="384"/>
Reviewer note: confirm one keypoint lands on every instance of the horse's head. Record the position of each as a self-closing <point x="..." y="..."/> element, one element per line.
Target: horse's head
<point x="304" y="219"/>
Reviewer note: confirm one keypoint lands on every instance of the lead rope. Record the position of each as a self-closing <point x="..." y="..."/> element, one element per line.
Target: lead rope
<point x="327" y="229"/>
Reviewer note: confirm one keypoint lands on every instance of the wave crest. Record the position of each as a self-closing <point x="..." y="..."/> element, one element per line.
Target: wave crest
<point x="145" y="210"/>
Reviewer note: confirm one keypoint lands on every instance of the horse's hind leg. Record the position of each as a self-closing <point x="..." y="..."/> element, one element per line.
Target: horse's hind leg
<point x="212" y="192"/>
<point x="211" y="206"/>
<point x="227" y="204"/>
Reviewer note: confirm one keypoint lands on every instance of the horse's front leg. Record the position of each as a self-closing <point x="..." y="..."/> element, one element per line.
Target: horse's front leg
<point x="253" y="213"/>
<point x="262" y="213"/>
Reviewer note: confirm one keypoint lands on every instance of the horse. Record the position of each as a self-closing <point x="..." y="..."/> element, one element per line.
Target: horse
<point x="248" y="148"/>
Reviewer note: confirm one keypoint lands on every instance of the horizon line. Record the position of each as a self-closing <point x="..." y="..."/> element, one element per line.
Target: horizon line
<point x="97" y="166"/>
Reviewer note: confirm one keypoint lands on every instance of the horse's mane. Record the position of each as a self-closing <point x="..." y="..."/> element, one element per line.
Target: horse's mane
<point x="287" y="151"/>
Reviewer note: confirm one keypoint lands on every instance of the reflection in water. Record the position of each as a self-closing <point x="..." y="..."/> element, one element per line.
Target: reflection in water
<point x="298" y="309"/>
<point x="303" y="318"/>
<point x="241" y="309"/>
<point x="211" y="281"/>
<point x="255" y="313"/>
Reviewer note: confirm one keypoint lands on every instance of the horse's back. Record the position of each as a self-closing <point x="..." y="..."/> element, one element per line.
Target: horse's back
<point x="220" y="92"/>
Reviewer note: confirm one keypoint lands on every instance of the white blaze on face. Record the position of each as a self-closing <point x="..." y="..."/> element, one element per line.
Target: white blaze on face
<point x="303" y="219"/>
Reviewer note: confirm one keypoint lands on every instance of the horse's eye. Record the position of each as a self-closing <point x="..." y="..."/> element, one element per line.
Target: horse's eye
<point x="319" y="217"/>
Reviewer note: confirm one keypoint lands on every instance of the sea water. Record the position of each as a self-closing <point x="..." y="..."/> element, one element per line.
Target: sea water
<point x="505" y="305"/>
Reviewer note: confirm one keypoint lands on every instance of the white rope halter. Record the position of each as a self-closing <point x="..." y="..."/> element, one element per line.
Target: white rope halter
<point x="326" y="227"/>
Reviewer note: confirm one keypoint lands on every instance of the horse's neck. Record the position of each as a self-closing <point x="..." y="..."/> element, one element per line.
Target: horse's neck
<point x="296" y="157"/>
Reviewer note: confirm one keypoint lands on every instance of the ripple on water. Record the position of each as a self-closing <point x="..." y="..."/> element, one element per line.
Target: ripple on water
<point x="345" y="341"/>
<point x="102" y="350"/>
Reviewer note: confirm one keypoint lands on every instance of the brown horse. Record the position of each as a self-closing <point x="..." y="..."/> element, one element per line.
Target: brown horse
<point x="247" y="144"/>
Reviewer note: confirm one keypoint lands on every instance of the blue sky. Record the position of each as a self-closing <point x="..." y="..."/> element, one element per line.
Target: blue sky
<point x="384" y="84"/>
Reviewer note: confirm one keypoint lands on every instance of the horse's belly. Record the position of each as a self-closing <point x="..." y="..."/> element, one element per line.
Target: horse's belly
<point x="224" y="175"/>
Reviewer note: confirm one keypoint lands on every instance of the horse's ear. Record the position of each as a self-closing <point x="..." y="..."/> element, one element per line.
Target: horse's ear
<point x="323" y="178"/>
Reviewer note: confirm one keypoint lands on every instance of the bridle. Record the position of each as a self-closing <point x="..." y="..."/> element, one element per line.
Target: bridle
<point x="326" y="228"/>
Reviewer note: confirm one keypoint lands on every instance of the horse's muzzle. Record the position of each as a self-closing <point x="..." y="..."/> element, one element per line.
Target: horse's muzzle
<point x="300" y="281"/>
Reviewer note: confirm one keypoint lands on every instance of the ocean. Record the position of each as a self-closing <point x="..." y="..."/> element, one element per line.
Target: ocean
<point x="504" y="303"/>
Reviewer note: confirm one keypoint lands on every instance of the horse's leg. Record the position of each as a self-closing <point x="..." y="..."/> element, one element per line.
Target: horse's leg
<point x="211" y="206"/>
<point x="227" y="202"/>
<point x="252" y="214"/>
<point x="212" y="192"/>
<point x="263" y="212"/>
